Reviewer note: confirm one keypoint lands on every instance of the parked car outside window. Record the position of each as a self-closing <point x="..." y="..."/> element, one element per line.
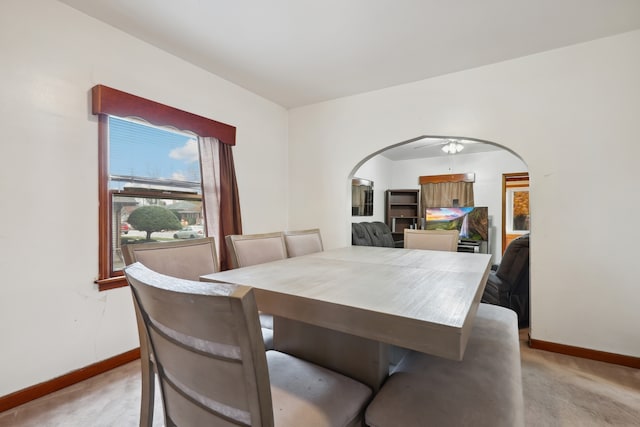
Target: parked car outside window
<point x="190" y="232"/>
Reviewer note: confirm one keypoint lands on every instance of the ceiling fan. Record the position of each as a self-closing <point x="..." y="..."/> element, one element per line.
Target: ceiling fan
<point x="448" y="145"/>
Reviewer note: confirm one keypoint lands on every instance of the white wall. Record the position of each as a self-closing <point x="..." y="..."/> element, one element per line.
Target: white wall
<point x="571" y="114"/>
<point x="52" y="318"/>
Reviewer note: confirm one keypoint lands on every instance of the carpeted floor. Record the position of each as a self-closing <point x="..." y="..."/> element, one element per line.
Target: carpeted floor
<point x="111" y="399"/>
<point x="559" y="390"/>
<point x="563" y="390"/>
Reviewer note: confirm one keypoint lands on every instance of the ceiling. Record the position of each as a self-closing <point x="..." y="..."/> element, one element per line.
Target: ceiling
<point x="432" y="147"/>
<point x="298" y="52"/>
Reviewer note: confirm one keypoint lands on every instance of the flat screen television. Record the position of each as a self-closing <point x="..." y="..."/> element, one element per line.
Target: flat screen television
<point x="471" y="222"/>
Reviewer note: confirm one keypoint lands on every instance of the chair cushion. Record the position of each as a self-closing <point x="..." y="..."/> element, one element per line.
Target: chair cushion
<point x="309" y="395"/>
<point x="484" y="389"/>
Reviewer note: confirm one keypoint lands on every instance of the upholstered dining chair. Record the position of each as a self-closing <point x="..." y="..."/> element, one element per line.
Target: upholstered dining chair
<point x="484" y="389"/>
<point x="213" y="369"/>
<point x="250" y="249"/>
<point x="185" y="259"/>
<point x="303" y="242"/>
<point x="435" y="240"/>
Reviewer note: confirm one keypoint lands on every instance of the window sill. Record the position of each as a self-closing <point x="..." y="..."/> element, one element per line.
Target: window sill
<point x="111" y="283"/>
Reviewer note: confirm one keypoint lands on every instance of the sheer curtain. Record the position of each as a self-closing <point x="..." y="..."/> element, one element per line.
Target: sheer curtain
<point x="220" y="194"/>
<point x="443" y="194"/>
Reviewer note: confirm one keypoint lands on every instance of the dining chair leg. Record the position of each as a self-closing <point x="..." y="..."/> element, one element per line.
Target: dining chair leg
<point x="148" y="393"/>
<point x="147" y="374"/>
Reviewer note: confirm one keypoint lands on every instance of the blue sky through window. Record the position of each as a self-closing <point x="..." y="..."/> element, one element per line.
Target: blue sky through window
<point x="146" y="151"/>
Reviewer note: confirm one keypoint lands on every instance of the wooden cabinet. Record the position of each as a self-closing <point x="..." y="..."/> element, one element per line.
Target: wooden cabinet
<point x="403" y="211"/>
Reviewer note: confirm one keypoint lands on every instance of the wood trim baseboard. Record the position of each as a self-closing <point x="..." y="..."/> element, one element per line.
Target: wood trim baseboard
<point x="586" y="353"/>
<point x="39" y="390"/>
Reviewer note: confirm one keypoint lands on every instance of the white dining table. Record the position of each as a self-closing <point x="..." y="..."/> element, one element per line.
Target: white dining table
<point x="343" y="308"/>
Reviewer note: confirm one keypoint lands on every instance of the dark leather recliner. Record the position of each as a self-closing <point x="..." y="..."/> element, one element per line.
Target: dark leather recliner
<point x="374" y="233"/>
<point x="508" y="286"/>
<point x="359" y="235"/>
<point x="380" y="234"/>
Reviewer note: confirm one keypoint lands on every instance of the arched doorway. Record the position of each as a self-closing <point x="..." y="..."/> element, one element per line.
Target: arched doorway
<point x="399" y="166"/>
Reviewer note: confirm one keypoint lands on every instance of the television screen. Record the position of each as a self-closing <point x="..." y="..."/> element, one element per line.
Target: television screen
<point x="471" y="222"/>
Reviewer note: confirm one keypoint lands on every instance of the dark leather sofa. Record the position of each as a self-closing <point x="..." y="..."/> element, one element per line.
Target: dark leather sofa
<point x="373" y="233"/>
<point x="508" y="285"/>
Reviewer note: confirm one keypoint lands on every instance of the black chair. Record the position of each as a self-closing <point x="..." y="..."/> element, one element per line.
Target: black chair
<point x="359" y="235"/>
<point x="380" y="234"/>
<point x="508" y="285"/>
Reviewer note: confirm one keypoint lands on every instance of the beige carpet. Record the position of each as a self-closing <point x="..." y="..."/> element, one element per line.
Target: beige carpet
<point x="558" y="391"/>
<point x="563" y="390"/>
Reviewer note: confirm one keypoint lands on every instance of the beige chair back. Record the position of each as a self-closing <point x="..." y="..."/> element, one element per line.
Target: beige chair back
<point x="187" y="259"/>
<point x="303" y="242"/>
<point x="435" y="240"/>
<point x="208" y="347"/>
<point x="251" y="249"/>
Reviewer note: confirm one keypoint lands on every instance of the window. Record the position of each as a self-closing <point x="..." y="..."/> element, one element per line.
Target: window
<point x="145" y="161"/>
<point x="151" y="166"/>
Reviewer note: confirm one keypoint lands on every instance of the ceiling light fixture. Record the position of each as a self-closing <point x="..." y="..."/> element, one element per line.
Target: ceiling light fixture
<point x="452" y="147"/>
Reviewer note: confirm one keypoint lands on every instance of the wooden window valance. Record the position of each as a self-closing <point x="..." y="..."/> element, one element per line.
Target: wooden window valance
<point x="106" y="100"/>
<point x="439" y="179"/>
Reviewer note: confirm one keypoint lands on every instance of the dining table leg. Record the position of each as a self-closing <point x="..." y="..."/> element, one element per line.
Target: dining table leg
<point x="359" y="358"/>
